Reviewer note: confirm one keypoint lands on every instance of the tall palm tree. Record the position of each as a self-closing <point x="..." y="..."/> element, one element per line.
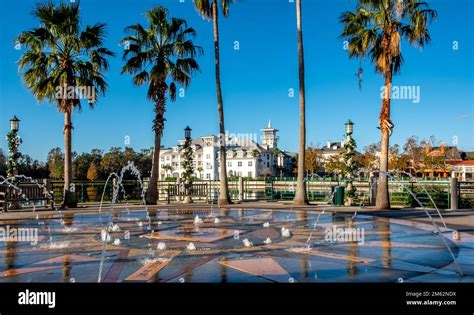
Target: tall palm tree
<point x="209" y="10"/>
<point x="63" y="64"/>
<point x="161" y="56"/>
<point x="376" y="29"/>
<point x="300" y="196"/>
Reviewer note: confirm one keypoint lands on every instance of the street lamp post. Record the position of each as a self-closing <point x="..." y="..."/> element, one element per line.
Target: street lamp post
<point x="350" y="166"/>
<point x="14" y="142"/>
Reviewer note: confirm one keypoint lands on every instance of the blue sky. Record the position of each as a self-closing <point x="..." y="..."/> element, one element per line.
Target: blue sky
<point x="256" y="79"/>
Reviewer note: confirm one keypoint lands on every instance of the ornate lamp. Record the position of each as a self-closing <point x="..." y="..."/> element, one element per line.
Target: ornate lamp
<point x="187" y="133"/>
<point x="14" y="124"/>
<point x="349" y="127"/>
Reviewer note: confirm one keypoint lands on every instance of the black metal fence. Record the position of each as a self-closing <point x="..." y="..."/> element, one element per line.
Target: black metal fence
<point x="318" y="191"/>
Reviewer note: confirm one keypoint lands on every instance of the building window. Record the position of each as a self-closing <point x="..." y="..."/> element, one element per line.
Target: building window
<point x="208" y="176"/>
<point x="250" y="175"/>
<point x="208" y="156"/>
<point x="250" y="163"/>
<point x="239" y="164"/>
<point x="229" y="164"/>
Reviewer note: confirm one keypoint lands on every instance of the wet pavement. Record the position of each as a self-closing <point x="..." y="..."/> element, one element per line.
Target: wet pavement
<point x="230" y="245"/>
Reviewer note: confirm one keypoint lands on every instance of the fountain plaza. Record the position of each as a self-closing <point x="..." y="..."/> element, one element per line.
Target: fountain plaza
<point x="272" y="243"/>
<point x="248" y="242"/>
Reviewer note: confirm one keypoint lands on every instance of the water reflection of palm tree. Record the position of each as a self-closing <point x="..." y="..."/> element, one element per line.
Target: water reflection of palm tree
<point x="67" y="266"/>
<point x="188" y="274"/>
<point x="10" y="254"/>
<point x="384" y="228"/>
<point x="352" y="269"/>
<point x="302" y="216"/>
<point x="68" y="219"/>
<point x="223" y="274"/>
<point x="224" y="212"/>
<point x="153" y="215"/>
<point x="304" y="264"/>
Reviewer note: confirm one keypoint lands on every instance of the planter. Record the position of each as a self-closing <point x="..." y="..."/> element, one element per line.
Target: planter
<point x="92" y="193"/>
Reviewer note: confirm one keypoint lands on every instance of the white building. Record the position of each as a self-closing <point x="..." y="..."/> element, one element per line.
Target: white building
<point x="245" y="157"/>
<point x="331" y="149"/>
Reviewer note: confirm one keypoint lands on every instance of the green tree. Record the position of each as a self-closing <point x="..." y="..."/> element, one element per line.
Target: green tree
<point x="208" y="9"/>
<point x="313" y="160"/>
<point x="376" y="29"/>
<point x="3" y="163"/>
<point x="56" y="163"/>
<point x="112" y="161"/>
<point x="335" y="164"/>
<point x="59" y="59"/>
<point x="162" y="57"/>
<point x="82" y="162"/>
<point x="188" y="162"/>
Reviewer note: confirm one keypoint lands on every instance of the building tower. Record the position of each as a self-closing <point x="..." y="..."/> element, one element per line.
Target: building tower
<point x="269" y="136"/>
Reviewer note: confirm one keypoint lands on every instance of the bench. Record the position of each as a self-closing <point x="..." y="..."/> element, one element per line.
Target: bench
<point x="183" y="190"/>
<point x="24" y="192"/>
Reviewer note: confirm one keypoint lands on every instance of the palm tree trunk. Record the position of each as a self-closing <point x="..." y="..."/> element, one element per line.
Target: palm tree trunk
<point x="224" y="197"/>
<point x="383" y="199"/>
<point x="69" y="198"/>
<point x="152" y="193"/>
<point x="300" y="197"/>
<point x="158" y="127"/>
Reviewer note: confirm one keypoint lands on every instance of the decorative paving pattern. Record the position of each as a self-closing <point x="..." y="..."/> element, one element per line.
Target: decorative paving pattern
<point x="236" y="245"/>
<point x="266" y="268"/>
<point x="149" y="270"/>
<point x="193" y="233"/>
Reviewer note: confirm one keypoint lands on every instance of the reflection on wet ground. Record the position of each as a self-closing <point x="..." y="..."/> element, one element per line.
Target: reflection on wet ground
<point x="235" y="245"/>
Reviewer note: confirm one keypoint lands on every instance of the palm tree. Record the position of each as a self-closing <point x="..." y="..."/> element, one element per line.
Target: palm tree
<point x="162" y="57"/>
<point x="168" y="168"/>
<point x="300" y="197"/>
<point x="64" y="64"/>
<point x="208" y="10"/>
<point x="200" y="170"/>
<point x="376" y="28"/>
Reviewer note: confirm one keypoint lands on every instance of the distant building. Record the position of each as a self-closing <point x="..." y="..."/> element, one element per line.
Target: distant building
<point x="450" y="154"/>
<point x="331" y="149"/>
<point x="463" y="170"/>
<point x="245" y="157"/>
